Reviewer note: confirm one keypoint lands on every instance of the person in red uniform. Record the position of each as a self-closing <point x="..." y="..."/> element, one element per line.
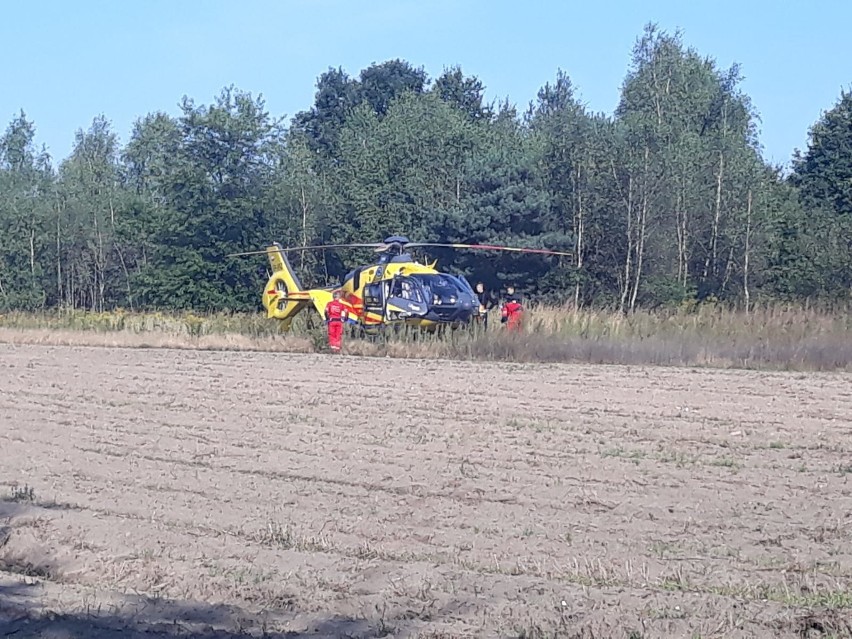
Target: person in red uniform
<point x="336" y="315"/>
<point x="512" y="314"/>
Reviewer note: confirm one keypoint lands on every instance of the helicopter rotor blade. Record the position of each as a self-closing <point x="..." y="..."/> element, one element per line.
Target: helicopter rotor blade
<point x="333" y="246"/>
<point x="491" y="247"/>
<point x="289" y="249"/>
<point x="379" y="247"/>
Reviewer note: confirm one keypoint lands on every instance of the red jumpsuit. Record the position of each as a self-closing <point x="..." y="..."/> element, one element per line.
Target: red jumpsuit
<point x="512" y="315"/>
<point x="335" y="315"/>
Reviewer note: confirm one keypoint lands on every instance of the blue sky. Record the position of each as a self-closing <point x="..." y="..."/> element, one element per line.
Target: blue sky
<point x="65" y="62"/>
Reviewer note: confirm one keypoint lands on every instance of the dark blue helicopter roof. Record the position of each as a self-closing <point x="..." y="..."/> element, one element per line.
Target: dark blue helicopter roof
<point x="396" y="239"/>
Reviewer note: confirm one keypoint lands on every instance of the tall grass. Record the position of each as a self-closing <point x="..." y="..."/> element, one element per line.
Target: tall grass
<point x="772" y="337"/>
<point x="223" y="331"/>
<point x="177" y="324"/>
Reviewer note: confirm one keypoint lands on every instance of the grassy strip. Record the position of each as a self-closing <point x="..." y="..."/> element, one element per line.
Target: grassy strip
<point x="773" y="337"/>
<point x="175" y="324"/>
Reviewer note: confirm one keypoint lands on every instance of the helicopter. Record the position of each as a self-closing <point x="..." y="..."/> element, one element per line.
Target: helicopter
<point x="393" y="290"/>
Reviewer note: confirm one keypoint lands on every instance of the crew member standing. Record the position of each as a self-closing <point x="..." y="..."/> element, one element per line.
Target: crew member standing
<point x="512" y="314"/>
<point x="486" y="303"/>
<point x="335" y="315"/>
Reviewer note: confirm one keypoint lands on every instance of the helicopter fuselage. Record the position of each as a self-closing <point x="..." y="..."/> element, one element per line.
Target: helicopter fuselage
<point x="398" y="289"/>
<point x="393" y="290"/>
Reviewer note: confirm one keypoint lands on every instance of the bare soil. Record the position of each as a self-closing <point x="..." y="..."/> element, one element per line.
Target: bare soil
<point x="159" y="492"/>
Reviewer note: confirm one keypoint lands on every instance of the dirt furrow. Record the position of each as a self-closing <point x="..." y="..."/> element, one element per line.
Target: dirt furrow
<point x="293" y="492"/>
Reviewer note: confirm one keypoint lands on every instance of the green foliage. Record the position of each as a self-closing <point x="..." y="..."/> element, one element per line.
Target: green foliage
<point x="26" y="185"/>
<point x="504" y="203"/>
<point x="214" y="206"/>
<point x="93" y="207"/>
<point x="465" y="94"/>
<point x="665" y="203"/>
<point x="823" y="176"/>
<point x="689" y="163"/>
<point x="381" y="84"/>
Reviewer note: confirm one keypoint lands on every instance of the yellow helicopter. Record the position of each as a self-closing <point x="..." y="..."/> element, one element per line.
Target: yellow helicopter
<point x="393" y="290"/>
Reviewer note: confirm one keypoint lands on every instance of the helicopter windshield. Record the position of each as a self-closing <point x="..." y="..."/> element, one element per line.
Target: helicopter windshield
<point x="405" y="289"/>
<point x="439" y="288"/>
<point x="465" y="284"/>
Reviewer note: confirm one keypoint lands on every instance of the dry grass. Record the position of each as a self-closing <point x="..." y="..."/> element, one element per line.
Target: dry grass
<point x="237" y="332"/>
<point x="126" y="339"/>
<point x="175" y="324"/>
<point x="771" y="337"/>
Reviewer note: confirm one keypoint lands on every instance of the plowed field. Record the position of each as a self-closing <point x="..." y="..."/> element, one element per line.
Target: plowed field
<point x="160" y="492"/>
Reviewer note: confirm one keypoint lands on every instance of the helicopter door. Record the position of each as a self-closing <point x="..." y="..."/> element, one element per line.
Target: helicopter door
<point x="405" y="300"/>
<point x="374" y="298"/>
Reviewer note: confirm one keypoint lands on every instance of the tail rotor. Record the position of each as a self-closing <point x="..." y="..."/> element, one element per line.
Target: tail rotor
<point x="284" y="295"/>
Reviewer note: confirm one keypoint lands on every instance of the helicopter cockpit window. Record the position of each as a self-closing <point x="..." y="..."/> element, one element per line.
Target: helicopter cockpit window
<point x="373" y="295"/>
<point x="406" y="289"/>
<point x="465" y="284"/>
<point x="439" y="289"/>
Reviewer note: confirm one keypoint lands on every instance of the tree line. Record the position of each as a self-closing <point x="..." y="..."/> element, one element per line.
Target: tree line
<point x="666" y="201"/>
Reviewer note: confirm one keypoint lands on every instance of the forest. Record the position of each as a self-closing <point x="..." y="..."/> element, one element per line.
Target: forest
<point x="665" y="202"/>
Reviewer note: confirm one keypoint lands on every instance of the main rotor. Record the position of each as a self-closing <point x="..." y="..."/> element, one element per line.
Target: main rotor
<point x="394" y="244"/>
<point x="399" y="244"/>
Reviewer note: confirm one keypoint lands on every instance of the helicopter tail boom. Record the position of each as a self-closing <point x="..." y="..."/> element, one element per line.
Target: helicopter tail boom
<point x="281" y="265"/>
<point x="284" y="295"/>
